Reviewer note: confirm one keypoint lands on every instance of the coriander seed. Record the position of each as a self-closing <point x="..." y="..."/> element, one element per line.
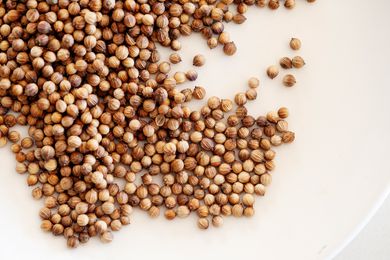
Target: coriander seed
<point x="289" y="80"/>
<point x="199" y="60"/>
<point x="298" y="62"/>
<point x="229" y="48"/>
<point x="272" y="72"/>
<point x="286" y="63"/>
<point x="295" y="44"/>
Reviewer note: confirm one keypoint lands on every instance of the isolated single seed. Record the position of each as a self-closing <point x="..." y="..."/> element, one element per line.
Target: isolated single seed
<point x="199" y="60"/>
<point x="272" y="71"/>
<point x="289" y="80"/>
<point x="229" y="48"/>
<point x="295" y="44"/>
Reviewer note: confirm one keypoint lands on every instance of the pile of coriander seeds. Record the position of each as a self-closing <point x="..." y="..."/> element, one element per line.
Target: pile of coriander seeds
<point x="86" y="79"/>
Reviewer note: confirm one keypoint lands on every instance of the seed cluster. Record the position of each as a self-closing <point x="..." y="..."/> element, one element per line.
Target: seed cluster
<point x="86" y="78"/>
<point x="286" y="63"/>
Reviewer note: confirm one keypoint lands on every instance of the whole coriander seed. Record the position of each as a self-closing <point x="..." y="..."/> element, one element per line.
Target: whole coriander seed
<point x="289" y="4"/>
<point x="191" y="75"/>
<point x="286" y="63"/>
<point x="289" y="80"/>
<point x="203" y="223"/>
<point x="298" y="62"/>
<point x="272" y="71"/>
<point x="199" y="92"/>
<point x="174" y="58"/>
<point x="229" y="48"/>
<point x="273" y="4"/>
<point x="283" y="112"/>
<point x="295" y="44"/>
<point x="199" y="60"/>
<point x="253" y="82"/>
<point x="217" y="221"/>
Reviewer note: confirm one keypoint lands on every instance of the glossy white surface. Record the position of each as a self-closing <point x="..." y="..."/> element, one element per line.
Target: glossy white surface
<point x="326" y="183"/>
<point x="373" y="241"/>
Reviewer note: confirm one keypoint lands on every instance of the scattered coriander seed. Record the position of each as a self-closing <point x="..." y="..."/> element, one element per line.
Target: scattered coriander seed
<point x="203" y="223"/>
<point x="199" y="92"/>
<point x="272" y="71"/>
<point x="174" y="58"/>
<point x="106" y="237"/>
<point x="224" y="38"/>
<point x="289" y="80"/>
<point x="229" y="48"/>
<point x="295" y="44"/>
<point x="273" y="4"/>
<point x="298" y="62"/>
<point x="253" y="82"/>
<point x="217" y="221"/>
<point x="212" y="42"/>
<point x="283" y="112"/>
<point x="199" y="60"/>
<point x="191" y="75"/>
<point x="286" y="63"/>
<point x="251" y="94"/>
<point x="289" y="4"/>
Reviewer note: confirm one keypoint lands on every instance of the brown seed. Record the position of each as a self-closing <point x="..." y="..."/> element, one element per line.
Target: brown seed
<point x="239" y="18"/>
<point x="106" y="237"/>
<point x="253" y="82"/>
<point x="229" y="48"/>
<point x="295" y="44"/>
<point x="272" y="71"/>
<point x="203" y="223"/>
<point x="286" y="63"/>
<point x="217" y="221"/>
<point x="199" y="92"/>
<point x="289" y="4"/>
<point x="191" y="75"/>
<point x="174" y="58"/>
<point x="283" y="112"/>
<point x="298" y="62"/>
<point x="199" y="60"/>
<point x="289" y="80"/>
<point x="273" y="4"/>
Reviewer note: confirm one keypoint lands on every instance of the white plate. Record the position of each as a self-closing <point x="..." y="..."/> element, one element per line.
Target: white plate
<point x="326" y="183"/>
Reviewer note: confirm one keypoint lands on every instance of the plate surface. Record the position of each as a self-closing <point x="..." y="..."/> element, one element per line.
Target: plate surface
<point x="326" y="184"/>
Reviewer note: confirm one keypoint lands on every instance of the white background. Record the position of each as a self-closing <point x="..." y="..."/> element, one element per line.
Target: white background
<point x="326" y="185"/>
